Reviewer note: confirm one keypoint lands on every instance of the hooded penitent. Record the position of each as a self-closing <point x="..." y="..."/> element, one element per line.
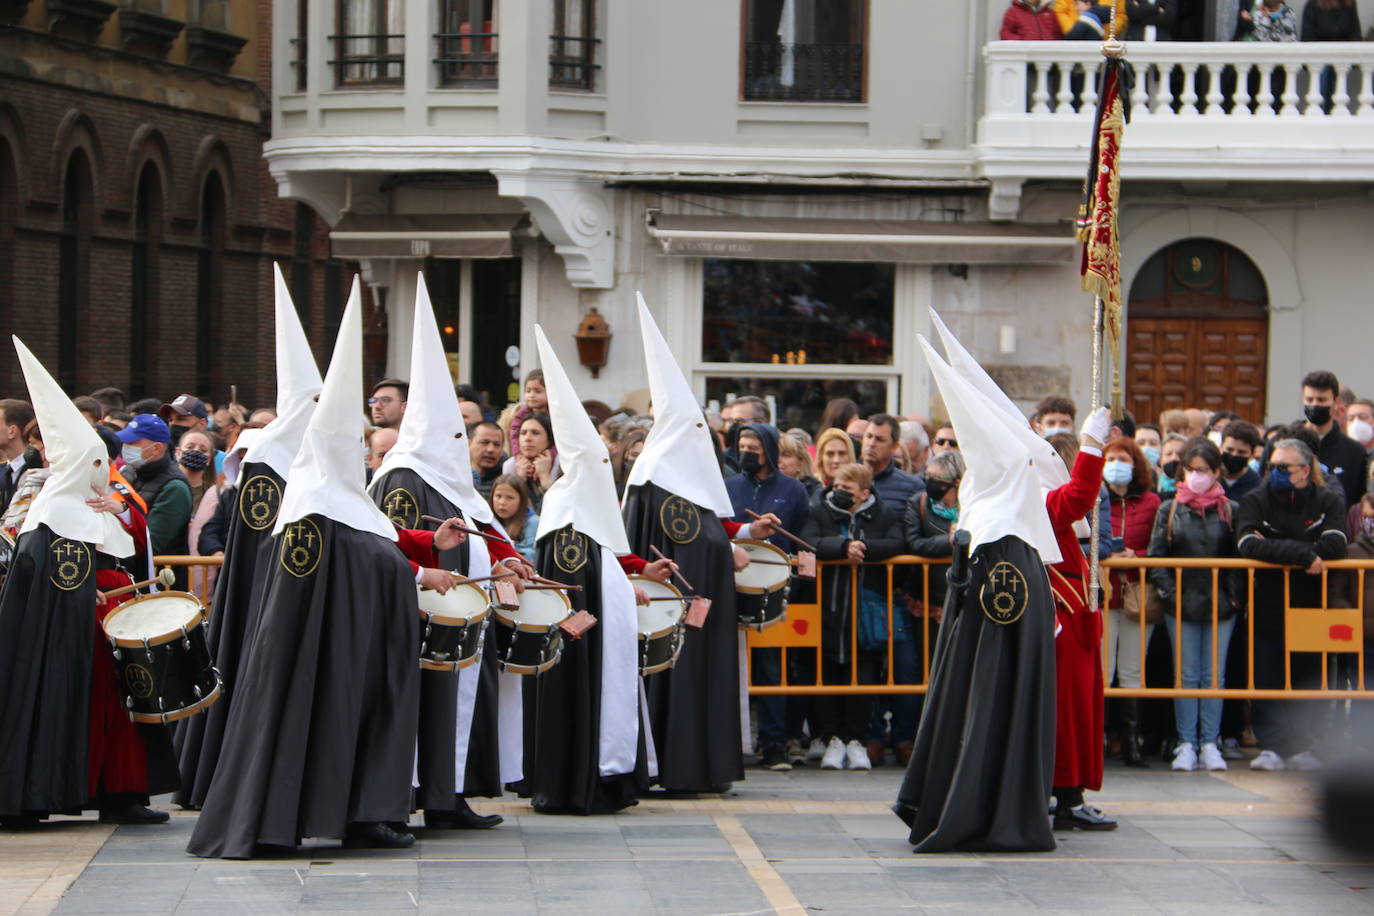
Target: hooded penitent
<point x="80" y="467"/>
<point x="587" y="736"/>
<point x="674" y="501"/>
<point x="983" y="760"/>
<point x="298" y="384"/>
<point x="322" y="729"/>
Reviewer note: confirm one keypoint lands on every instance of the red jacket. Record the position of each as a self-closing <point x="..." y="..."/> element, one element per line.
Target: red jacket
<point x="1078" y="665"/>
<point x="1023" y="22"/>
<point x="1133" y="520"/>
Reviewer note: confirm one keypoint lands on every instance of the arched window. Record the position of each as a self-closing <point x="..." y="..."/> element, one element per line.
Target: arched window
<point x="301" y="263"/>
<point x="143" y="283"/>
<point x="210" y="286"/>
<point x="74" y="261"/>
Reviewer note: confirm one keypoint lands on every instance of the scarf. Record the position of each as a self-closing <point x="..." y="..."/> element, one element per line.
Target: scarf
<point x="1201" y="502"/>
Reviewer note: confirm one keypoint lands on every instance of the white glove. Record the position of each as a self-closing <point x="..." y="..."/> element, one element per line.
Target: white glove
<point x="1098" y="425"/>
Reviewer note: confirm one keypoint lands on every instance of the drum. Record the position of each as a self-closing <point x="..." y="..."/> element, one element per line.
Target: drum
<point x="761" y="587"/>
<point x="660" y="625"/>
<point x="163" y="660"/>
<point x="454" y="626"/>
<point x="528" y="640"/>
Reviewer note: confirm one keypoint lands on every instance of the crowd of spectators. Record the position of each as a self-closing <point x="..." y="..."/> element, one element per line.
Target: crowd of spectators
<point x="1178" y="20"/>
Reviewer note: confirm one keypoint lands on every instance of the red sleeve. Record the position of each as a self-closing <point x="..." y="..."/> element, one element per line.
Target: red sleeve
<point x="137" y="526"/>
<point x="418" y="546"/>
<point x="633" y="564"/>
<point x="731" y="528"/>
<point x="499" y="549"/>
<point x="1074" y="500"/>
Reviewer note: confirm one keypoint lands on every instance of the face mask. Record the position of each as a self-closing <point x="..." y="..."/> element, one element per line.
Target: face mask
<point x="1151" y="454"/>
<point x="1367" y="525"/>
<point x="133" y="456"/>
<point x="1234" y="464"/>
<point x="193" y="460"/>
<point x="1056" y="430"/>
<point x="948" y="513"/>
<point x="1199" y="482"/>
<point x="1280" y="480"/>
<point x="842" y="500"/>
<point x="1215" y="437"/>
<point x="1170" y="470"/>
<point x="938" y="489"/>
<point x="1359" y="430"/>
<point x="1118" y="473"/>
<point x="1317" y="414"/>
<point x="749" y="463"/>
<point x="176" y="432"/>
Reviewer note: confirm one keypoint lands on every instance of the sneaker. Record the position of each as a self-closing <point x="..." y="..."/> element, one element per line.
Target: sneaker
<point x="1230" y="749"/>
<point x="1212" y="758"/>
<point x="775" y="759"/>
<point x="1305" y="761"/>
<point x="1268" y="760"/>
<point x="794" y="753"/>
<point x="817" y="749"/>
<point x="833" y="759"/>
<point x="1185" y="758"/>
<point x="856" y="757"/>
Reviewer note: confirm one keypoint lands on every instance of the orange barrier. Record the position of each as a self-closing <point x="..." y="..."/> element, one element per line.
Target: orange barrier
<point x="199" y="569"/>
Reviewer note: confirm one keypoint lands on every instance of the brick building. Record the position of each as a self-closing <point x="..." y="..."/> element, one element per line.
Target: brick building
<point x="138" y="223"/>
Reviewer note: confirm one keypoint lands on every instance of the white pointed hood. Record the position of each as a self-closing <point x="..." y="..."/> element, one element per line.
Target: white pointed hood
<point x="1000" y="494"/>
<point x="433" y="442"/>
<point x="1053" y="473"/>
<point x="298" y="382"/>
<point x="678" y="454"/>
<point x="584" y="496"/>
<point x="327" y="476"/>
<point x="80" y="467"/>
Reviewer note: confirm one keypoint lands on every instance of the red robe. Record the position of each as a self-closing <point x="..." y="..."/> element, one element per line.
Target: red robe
<point x="418" y="546"/>
<point x="1078" y="648"/>
<point x="117" y="752"/>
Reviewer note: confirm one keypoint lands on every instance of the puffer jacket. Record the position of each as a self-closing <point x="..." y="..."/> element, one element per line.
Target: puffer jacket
<point x="831" y="530"/>
<point x="1026" y="20"/>
<point x="1188" y="534"/>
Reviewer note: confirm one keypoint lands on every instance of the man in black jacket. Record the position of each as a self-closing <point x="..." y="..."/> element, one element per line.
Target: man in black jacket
<point x="1341" y="454"/>
<point x="15" y="456"/>
<point x="1292" y="520"/>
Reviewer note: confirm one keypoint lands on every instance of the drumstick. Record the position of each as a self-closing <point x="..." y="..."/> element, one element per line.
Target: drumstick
<point x="464" y="580"/>
<point x="673" y="598"/>
<point x="553" y="582"/>
<point x="550" y="588"/>
<point x="467" y="530"/>
<point x="166" y="578"/>
<point x="782" y="531"/>
<point x="685" y="584"/>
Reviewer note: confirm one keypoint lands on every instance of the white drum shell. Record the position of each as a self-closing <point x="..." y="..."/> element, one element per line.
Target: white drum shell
<point x="762" y="577"/>
<point x="146" y="618"/>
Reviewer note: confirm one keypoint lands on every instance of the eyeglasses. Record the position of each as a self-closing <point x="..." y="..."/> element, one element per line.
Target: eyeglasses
<point x="382" y="400"/>
<point x="950" y="442"/>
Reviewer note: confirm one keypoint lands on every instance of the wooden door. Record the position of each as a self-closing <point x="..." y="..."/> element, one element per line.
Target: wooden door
<point x="1212" y="363"/>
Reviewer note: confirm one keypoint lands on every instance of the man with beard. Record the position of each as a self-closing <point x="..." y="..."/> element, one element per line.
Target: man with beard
<point x="248" y="546"/>
<point x="676" y="502"/>
<point x="470" y="720"/>
<point x="69" y="744"/>
<point x="320" y="741"/>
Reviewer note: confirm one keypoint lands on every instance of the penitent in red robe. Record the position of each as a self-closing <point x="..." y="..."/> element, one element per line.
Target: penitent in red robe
<point x="1078" y="659"/>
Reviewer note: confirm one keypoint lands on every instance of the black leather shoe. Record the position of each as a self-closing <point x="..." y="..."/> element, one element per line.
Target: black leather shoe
<point x="18" y="821"/>
<point x="376" y="836"/>
<point x="906" y="813"/>
<point x="1084" y="817"/>
<point x="461" y="818"/>
<point x="132" y="814"/>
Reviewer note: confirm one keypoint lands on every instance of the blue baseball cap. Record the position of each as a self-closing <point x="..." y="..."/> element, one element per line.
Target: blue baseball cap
<point x="145" y="426"/>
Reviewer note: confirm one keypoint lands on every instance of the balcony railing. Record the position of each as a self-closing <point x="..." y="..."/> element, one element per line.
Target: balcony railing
<point x="572" y="62"/>
<point x="368" y="60"/>
<point x="467" y="59"/>
<point x="774" y="71"/>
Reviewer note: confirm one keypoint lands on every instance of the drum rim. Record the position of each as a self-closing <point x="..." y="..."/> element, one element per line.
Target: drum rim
<point x="448" y="667"/>
<point x="205" y="702"/>
<point x="777" y="586"/>
<point x="513" y="668"/>
<point x="659" y="634"/>
<point x="162" y="638"/>
<point x="507" y="618"/>
<point x="638" y="577"/>
<point x="457" y="621"/>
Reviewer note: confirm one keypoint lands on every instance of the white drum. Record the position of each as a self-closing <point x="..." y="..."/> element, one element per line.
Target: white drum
<point x="162" y="657"/>
<point x="528" y="640"/>
<point x="660" y="625"/>
<point x="455" y="625"/>
<point x="762" y="586"/>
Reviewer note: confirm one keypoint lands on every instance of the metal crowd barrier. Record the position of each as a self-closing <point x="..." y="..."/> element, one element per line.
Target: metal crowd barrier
<point x="1329" y="631"/>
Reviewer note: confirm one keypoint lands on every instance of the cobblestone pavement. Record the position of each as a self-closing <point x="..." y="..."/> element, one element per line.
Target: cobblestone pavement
<point x="790" y="843"/>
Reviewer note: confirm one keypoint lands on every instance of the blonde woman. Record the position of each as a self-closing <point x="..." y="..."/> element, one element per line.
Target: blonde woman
<point x="834" y="449"/>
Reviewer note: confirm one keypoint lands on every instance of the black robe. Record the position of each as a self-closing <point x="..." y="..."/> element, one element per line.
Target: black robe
<point x="233" y="619"/>
<point x="694" y="707"/>
<point x="979" y="777"/>
<point x="439" y="689"/>
<point x="564" y="770"/>
<point x="323" y="732"/>
<point x="47" y="641"/>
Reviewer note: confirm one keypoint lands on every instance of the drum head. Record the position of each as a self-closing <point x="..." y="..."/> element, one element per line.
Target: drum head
<point x="149" y="617"/>
<point x="764" y="576"/>
<point x="544" y="607"/>
<point x="462" y="602"/>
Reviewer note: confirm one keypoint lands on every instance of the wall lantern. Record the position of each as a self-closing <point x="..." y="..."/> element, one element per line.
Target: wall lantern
<point x="593" y="341"/>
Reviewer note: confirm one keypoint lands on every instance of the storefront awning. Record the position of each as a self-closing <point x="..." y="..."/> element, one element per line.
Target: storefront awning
<point x="904" y="241"/>
<point x="466" y="235"/>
